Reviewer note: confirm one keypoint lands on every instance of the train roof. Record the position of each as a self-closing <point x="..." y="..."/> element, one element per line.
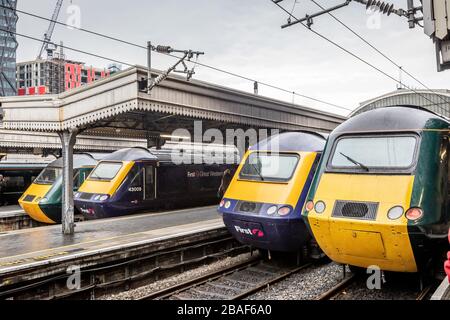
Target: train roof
<point x="393" y="118"/>
<point x="81" y="160"/>
<point x="308" y="141"/>
<point x="131" y="154"/>
<point x="165" y="154"/>
<point x="21" y="165"/>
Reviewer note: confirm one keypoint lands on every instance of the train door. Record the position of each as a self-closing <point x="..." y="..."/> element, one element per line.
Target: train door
<point x="149" y="182"/>
<point x="446" y="147"/>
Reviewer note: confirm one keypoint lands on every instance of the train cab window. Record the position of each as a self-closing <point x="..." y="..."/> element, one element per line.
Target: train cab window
<point x="364" y="153"/>
<point x="48" y="175"/>
<point x="149" y="185"/>
<point x="269" y="167"/>
<point x="105" y="171"/>
<point x="136" y="177"/>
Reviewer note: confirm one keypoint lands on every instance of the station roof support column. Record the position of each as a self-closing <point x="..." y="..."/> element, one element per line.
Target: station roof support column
<point x="68" y="139"/>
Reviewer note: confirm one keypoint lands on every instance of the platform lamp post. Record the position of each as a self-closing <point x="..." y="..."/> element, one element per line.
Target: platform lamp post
<point x="68" y="139"/>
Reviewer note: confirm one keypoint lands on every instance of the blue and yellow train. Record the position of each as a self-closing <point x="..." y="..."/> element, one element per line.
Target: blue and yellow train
<point x="42" y="200"/>
<point x="138" y="179"/>
<point x="263" y="204"/>
<point x="381" y="193"/>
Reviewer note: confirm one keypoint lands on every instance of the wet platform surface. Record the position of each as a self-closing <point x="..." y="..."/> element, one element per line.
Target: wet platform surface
<point x="39" y="245"/>
<point x="11" y="211"/>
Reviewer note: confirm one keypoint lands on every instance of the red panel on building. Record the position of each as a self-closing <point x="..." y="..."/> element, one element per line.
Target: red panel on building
<point x="42" y="90"/>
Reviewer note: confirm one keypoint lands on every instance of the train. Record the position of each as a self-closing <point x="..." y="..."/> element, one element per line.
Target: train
<point x="262" y="206"/>
<point x="380" y="196"/>
<point x="42" y="201"/>
<point x="138" y="179"/>
<point x="447" y="262"/>
<point x="18" y="176"/>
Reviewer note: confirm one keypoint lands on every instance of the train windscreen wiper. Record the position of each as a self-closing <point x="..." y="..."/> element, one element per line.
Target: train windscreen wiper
<point x="356" y="162"/>
<point x="257" y="171"/>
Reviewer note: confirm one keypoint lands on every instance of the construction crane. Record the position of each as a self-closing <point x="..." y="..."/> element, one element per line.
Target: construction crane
<point x="51" y="28"/>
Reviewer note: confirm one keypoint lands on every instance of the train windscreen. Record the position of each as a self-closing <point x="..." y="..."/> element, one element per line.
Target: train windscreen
<point x="269" y="167"/>
<point x="382" y="152"/>
<point x="105" y="171"/>
<point x="48" y="175"/>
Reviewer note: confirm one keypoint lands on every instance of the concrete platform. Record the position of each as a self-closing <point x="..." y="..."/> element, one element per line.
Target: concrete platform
<point x="136" y="244"/>
<point x="443" y="291"/>
<point x="32" y="247"/>
<point x="14" y="218"/>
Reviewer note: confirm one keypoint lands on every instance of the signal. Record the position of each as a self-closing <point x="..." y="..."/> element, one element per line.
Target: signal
<point x="437" y="25"/>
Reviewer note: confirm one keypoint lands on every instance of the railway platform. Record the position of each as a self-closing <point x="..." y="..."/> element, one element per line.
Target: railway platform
<point x="30" y="256"/>
<point x="14" y="218"/>
<point x="443" y="291"/>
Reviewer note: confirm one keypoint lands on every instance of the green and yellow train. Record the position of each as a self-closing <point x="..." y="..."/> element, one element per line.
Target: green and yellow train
<point x="380" y="196"/>
<point x="43" y="198"/>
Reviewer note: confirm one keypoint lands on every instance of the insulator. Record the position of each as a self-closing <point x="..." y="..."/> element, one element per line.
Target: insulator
<point x="383" y="7"/>
<point x="163" y="49"/>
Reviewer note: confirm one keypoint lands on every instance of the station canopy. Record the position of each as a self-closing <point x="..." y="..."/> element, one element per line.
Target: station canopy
<point x="118" y="107"/>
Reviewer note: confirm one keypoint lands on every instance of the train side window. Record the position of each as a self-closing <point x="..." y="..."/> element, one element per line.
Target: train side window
<point x="14" y="183"/>
<point x="76" y="180"/>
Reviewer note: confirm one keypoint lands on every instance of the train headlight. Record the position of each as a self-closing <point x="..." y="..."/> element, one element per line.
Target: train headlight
<point x="96" y="197"/>
<point x="309" y="206"/>
<point x="222" y="203"/>
<point x="272" y="210"/>
<point x="395" y="212"/>
<point x="104" y="197"/>
<point x="227" y="204"/>
<point x="43" y="199"/>
<point x="76" y="194"/>
<point x="319" y="206"/>
<point x="414" y="213"/>
<point x="284" y="211"/>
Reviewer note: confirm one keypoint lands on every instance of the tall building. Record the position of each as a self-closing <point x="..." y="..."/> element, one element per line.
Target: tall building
<point x="8" y="47"/>
<point x="55" y="75"/>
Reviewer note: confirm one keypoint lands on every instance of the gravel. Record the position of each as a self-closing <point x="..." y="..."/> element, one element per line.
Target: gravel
<point x="174" y="280"/>
<point x="400" y="287"/>
<point x="307" y="284"/>
<point x="304" y="285"/>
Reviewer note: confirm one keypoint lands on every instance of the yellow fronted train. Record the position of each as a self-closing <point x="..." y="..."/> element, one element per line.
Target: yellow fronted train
<point x="381" y="193"/>
<point x="138" y="179"/>
<point x="263" y="203"/>
<point x="42" y="201"/>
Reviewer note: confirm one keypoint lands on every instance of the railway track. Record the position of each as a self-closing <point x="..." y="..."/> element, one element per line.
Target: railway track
<point x="233" y="283"/>
<point x="424" y="293"/>
<point x="338" y="288"/>
<point x="347" y="281"/>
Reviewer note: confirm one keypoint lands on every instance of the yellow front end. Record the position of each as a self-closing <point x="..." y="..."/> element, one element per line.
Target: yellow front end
<point x="381" y="242"/>
<point x="29" y="201"/>
<point x="108" y="187"/>
<point x="282" y="193"/>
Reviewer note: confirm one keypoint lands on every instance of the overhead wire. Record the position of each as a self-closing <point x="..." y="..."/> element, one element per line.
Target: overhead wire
<point x="356" y="56"/>
<point x="109" y="37"/>
<point x="380" y="52"/>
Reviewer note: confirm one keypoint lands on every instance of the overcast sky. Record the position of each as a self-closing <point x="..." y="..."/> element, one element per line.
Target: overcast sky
<point x="244" y="37"/>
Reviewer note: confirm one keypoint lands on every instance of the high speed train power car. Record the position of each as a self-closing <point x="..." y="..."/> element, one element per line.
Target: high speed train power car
<point x="18" y="176"/>
<point x="43" y="199"/>
<point x="137" y="179"/>
<point x="381" y="193"/>
<point x="263" y="203"/>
